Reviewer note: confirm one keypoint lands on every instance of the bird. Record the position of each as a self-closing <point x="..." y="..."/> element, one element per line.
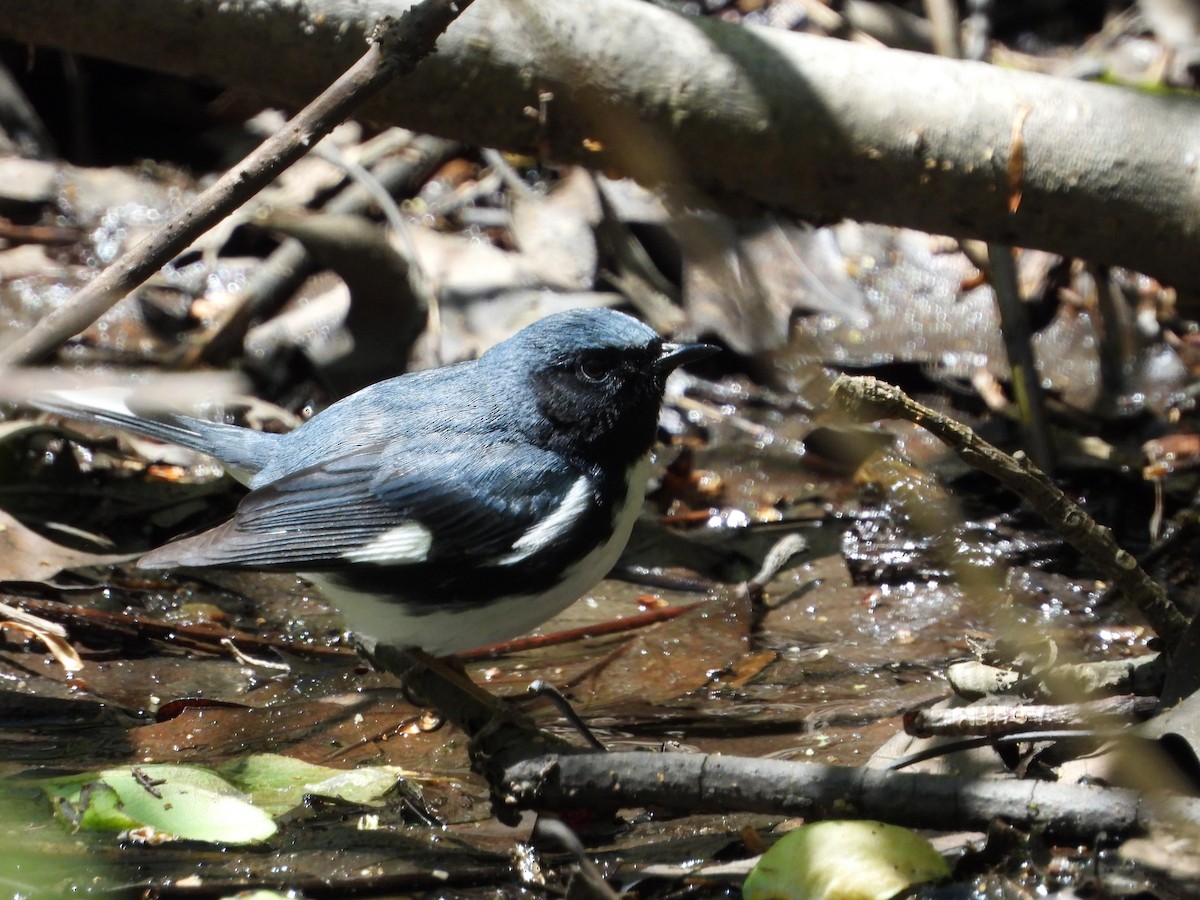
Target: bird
<point x="444" y="509"/>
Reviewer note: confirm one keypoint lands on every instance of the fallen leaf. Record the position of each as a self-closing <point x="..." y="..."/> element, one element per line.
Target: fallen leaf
<point x="844" y="861"/>
<point x="27" y="556"/>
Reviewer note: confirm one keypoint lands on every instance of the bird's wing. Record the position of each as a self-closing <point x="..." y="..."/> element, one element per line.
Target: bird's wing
<point x="392" y="505"/>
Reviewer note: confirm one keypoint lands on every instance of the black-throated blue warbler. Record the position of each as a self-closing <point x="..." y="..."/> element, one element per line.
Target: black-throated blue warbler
<point x="448" y="508"/>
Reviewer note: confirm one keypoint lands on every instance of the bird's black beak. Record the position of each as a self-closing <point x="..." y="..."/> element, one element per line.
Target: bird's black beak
<point x="672" y="356"/>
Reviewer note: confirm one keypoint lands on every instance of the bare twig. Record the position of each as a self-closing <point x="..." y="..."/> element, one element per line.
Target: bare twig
<point x="395" y="49"/>
<point x="1001" y="271"/>
<point x="203" y="638"/>
<point x="943" y="21"/>
<point x="1012" y="719"/>
<point x="1018" y="345"/>
<point x="567" y="635"/>
<point x="1142" y="675"/>
<point x="868" y="399"/>
<point x="556" y="830"/>
<point x="715" y="783"/>
<point x="1116" y="335"/>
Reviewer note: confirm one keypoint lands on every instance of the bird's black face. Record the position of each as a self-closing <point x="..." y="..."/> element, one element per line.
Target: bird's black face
<point x="592" y="383"/>
<point x="601" y="403"/>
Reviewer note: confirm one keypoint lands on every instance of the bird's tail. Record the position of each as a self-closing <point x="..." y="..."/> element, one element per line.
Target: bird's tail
<point x="243" y="450"/>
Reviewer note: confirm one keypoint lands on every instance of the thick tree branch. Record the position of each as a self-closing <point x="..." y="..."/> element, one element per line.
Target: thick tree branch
<point x="713" y="783"/>
<point x="820" y="128"/>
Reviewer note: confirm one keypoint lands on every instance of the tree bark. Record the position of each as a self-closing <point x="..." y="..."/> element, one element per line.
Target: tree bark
<point x="698" y="782"/>
<point x="745" y="117"/>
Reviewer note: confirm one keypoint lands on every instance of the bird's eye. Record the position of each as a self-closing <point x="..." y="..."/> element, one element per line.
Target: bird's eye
<point x="593" y="368"/>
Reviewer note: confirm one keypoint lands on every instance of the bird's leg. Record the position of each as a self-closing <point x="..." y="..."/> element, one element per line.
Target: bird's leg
<point x="493" y="724"/>
<point x="499" y="734"/>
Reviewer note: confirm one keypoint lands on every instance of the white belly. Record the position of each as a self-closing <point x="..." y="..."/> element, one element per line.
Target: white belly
<point x="453" y="630"/>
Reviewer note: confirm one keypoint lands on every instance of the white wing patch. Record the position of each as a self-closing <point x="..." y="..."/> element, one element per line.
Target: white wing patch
<point x="440" y="631"/>
<point x="549" y="529"/>
<point x="403" y="545"/>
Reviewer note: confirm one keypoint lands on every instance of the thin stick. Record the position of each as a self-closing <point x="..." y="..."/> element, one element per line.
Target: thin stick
<point x="396" y="48"/>
<point x="867" y="399"/>
<point x="1107" y="712"/>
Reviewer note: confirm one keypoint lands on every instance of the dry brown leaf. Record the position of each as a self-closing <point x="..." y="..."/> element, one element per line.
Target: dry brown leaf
<point x="53" y="635"/>
<point x="27" y="556"/>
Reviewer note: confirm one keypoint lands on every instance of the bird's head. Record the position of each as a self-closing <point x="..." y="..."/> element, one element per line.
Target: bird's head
<point x="596" y="378"/>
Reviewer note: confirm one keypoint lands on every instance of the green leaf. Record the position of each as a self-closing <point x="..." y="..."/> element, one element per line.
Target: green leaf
<point x="233" y="806"/>
<point x="193" y="805"/>
<point x="844" y="861"/>
<point x="186" y="802"/>
<point x="100" y="809"/>
<point x="279" y="783"/>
